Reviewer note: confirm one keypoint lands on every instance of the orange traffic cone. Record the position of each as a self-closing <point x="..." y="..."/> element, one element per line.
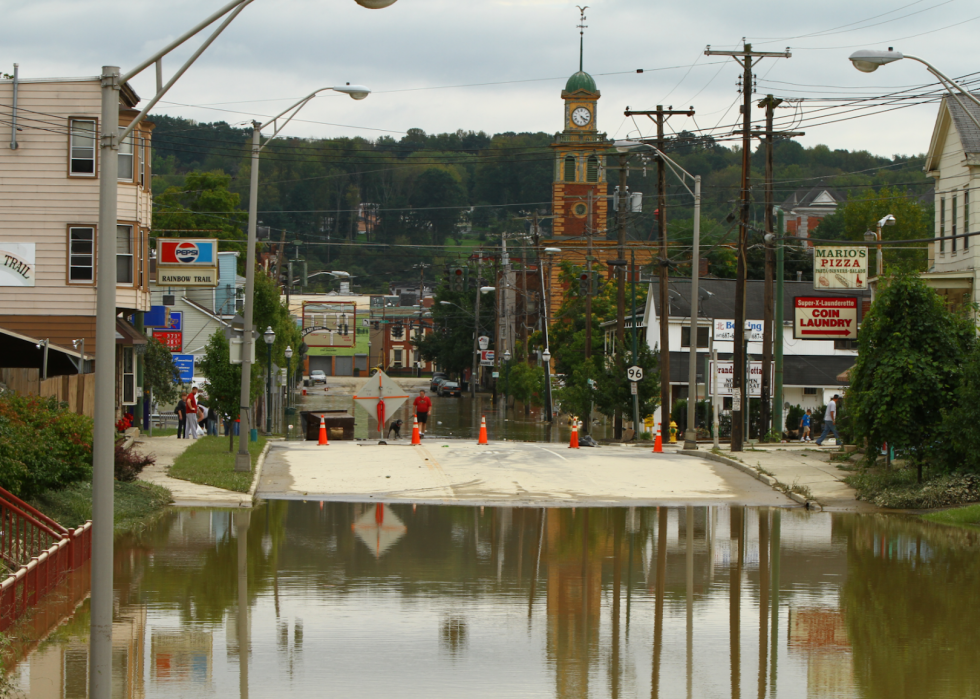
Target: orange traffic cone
<point x="416" y="437"/>
<point x="323" y="432"/>
<point x="483" y="431"/>
<point x="658" y="442"/>
<point x="573" y="444"/>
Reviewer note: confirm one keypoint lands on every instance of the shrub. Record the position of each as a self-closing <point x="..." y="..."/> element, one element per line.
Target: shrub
<point x="43" y="445"/>
<point x="958" y="445"/>
<point x="130" y="463"/>
<point x="793" y="417"/>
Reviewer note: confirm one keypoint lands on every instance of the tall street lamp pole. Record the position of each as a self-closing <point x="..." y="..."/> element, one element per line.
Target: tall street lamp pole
<point x="289" y="374"/>
<point x="690" y="435"/>
<point x="269" y="336"/>
<point x="112" y="81"/>
<point x="546" y="355"/>
<point x="243" y="462"/>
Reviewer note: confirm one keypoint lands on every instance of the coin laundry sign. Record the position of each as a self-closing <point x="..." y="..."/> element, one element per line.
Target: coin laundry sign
<point x="828" y="318"/>
<point x="840" y="267"/>
<point x="187" y="261"/>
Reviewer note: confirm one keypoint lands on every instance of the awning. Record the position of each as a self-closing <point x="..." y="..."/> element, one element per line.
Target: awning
<point x="127" y="334"/>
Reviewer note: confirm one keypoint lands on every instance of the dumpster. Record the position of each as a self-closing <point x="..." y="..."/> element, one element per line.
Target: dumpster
<point x="340" y="424"/>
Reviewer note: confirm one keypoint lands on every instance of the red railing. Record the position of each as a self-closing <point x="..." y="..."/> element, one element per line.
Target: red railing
<point x="38" y="553"/>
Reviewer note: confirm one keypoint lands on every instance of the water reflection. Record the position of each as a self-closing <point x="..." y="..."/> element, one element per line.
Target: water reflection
<point x="498" y="602"/>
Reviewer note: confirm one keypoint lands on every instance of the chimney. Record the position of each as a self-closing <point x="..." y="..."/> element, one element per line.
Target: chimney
<point x="703" y="267"/>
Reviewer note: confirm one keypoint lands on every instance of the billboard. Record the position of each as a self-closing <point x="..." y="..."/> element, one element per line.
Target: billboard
<point x="17" y="264"/>
<point x="185" y="365"/>
<point x="173" y="340"/>
<point x="840" y="267"/>
<point x="329" y="324"/>
<point x="725" y="330"/>
<point x="187" y="261"/>
<point x="486" y="357"/>
<point x="726" y="373"/>
<point x="825" y="318"/>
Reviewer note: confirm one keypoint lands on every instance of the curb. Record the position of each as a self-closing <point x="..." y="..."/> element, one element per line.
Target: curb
<point x="260" y="462"/>
<point x="749" y="470"/>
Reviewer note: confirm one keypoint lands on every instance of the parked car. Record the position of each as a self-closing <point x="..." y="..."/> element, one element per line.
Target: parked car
<point x="317" y="376"/>
<point x="449" y="388"/>
<point x="436" y="381"/>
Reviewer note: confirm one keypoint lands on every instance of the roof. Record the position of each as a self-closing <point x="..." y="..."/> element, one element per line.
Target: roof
<point x="968" y="131"/>
<point x="22" y="352"/>
<point x="718" y="297"/>
<point x="953" y="115"/>
<point x="819" y="196"/>
<point x="581" y="81"/>
<point x="798" y="370"/>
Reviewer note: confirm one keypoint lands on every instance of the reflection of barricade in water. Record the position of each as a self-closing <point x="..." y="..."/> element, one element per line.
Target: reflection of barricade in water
<point x="38" y="554"/>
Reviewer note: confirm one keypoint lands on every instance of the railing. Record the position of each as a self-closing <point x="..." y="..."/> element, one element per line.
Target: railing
<point x="38" y="553"/>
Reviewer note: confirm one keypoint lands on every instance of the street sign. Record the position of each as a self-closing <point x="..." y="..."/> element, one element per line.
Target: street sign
<point x="840" y="267"/>
<point x="825" y="318"/>
<point x="725" y="330"/>
<point x="185" y="365"/>
<point x="633" y="388"/>
<point x="484" y="341"/>
<point x="486" y="357"/>
<point x="173" y="340"/>
<point x="380" y="396"/>
<point x="634" y="373"/>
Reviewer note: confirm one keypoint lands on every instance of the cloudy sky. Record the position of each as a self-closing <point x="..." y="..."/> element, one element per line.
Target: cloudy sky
<point x="500" y="65"/>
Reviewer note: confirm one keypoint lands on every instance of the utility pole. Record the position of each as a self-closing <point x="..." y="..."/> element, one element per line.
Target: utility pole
<point x="777" y="414"/>
<point x="476" y="328"/>
<point x="621" y="253"/>
<point x="587" y="422"/>
<point x="747" y="58"/>
<point x="418" y="331"/>
<point x="769" y="104"/>
<point x="662" y="115"/>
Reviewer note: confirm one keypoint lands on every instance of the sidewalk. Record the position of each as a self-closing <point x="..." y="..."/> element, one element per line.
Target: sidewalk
<point x="804" y="465"/>
<point x="185" y="493"/>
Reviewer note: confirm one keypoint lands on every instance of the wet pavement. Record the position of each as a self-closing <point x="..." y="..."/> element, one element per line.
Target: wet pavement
<point x="350" y="599"/>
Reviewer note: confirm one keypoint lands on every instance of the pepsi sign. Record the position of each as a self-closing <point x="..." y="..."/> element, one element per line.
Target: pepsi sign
<point x="187" y="251"/>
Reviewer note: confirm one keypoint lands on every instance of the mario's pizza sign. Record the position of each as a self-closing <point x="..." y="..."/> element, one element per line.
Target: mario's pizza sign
<point x="840" y="267"/>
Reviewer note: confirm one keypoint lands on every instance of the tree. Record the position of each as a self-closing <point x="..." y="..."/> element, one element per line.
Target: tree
<point x="912" y="220"/>
<point x="438" y="198"/>
<point x="160" y="373"/>
<point x="614" y="387"/>
<point x="450" y="345"/>
<point x="911" y="351"/>
<point x="960" y="441"/>
<point x="223" y="381"/>
<point x="270" y="311"/>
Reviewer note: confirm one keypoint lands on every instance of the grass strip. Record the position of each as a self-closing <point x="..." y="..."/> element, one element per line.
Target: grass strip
<point x="135" y="504"/>
<point x="968" y="516"/>
<point x="898" y="488"/>
<point x="208" y="462"/>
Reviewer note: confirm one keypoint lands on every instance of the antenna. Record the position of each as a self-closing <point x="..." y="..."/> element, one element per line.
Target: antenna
<point x="581" y="34"/>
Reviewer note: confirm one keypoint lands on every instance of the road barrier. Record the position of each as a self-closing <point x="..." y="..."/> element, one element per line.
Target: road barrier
<point x="416" y="437"/>
<point x="38" y="553"/>
<point x="573" y="443"/>
<point x="483" y="431"/>
<point x="324" y="441"/>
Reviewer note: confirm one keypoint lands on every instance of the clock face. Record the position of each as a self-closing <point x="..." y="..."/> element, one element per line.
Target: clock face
<point x="581" y="116"/>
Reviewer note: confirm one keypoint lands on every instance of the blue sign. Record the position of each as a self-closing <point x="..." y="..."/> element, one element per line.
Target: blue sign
<point x="185" y="363"/>
<point x="157" y="317"/>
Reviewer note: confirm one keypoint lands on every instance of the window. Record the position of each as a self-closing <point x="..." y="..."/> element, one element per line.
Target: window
<point x="82" y="148"/>
<point x="942" y="224"/>
<point x="966" y="218"/>
<point x="128" y="376"/>
<point x="124" y="254"/>
<point x="142" y="162"/>
<point x="686" y="337"/>
<point x="809" y="391"/>
<point x="81" y="255"/>
<point x="952" y="217"/>
<point x="592" y="169"/>
<point x="141" y="259"/>
<point x="397" y="358"/>
<point x="569" y="169"/>
<point x="126" y="158"/>
<point x="845" y="345"/>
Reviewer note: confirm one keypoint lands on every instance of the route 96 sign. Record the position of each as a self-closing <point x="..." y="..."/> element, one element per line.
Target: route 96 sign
<point x="634" y="373"/>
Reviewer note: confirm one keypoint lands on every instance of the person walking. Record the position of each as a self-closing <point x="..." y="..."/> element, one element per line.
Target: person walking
<point x="423" y="406"/>
<point x="190" y="429"/>
<point x="828" y="421"/>
<point x="805" y="427"/>
<point x="181" y="412"/>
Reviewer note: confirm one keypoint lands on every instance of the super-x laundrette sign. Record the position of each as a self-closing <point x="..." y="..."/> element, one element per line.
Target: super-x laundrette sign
<point x="187" y="252"/>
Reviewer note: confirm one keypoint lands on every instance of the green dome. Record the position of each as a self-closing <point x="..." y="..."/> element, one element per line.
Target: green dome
<point x="580" y="81"/>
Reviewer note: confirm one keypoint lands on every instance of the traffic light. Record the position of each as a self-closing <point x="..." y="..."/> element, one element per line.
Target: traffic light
<point x="306" y="274"/>
<point x="456" y="279"/>
<point x="596" y="283"/>
<point x="583" y="284"/>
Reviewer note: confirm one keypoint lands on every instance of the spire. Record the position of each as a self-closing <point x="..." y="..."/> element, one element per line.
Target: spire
<point x="581" y="35"/>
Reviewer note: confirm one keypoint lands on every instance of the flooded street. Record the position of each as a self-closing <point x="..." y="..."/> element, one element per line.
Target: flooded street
<point x="344" y="599"/>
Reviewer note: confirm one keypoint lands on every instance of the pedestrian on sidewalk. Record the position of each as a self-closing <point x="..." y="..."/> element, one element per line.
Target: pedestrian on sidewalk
<point x="828" y="421"/>
<point x="190" y="429"/>
<point x="181" y="412"/>
<point x="805" y="427"/>
<point x="423" y="406"/>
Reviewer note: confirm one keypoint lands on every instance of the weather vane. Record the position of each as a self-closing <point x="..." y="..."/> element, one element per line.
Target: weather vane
<point x="581" y="34"/>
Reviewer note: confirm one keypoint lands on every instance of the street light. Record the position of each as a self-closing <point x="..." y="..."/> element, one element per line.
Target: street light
<point x="289" y="372"/>
<point x="868" y="61"/>
<point x="546" y="355"/>
<point x="269" y="336"/>
<point x="888" y="220"/>
<point x="691" y="434"/>
<point x="475" y="370"/>
<point x="103" y="446"/>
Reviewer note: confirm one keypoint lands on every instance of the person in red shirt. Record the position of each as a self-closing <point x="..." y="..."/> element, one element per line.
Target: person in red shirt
<point x="423" y="406"/>
<point x="190" y="429"/>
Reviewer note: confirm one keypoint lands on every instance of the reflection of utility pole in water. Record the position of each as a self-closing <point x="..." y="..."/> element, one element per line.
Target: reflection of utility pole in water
<point x="241" y="529"/>
<point x="631" y="527"/>
<point x="618" y="525"/>
<point x="734" y="599"/>
<point x="689" y="530"/>
<point x="537" y="565"/>
<point x="776" y="518"/>
<point x="658" y="620"/>
<point x="763" y="596"/>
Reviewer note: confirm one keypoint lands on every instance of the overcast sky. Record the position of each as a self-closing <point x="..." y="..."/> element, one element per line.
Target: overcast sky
<point x="500" y="65"/>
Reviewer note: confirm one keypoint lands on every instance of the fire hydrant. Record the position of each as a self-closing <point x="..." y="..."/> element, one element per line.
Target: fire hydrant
<point x="673" y="432"/>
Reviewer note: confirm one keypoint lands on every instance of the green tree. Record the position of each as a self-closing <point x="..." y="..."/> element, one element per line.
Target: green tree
<point x="223" y="381"/>
<point x="960" y="442"/>
<point x="270" y="311"/>
<point x="911" y="351"/>
<point x="614" y="387"/>
<point x="160" y="374"/>
<point x="438" y="198"/>
<point x="912" y="220"/>
<point x="450" y="346"/>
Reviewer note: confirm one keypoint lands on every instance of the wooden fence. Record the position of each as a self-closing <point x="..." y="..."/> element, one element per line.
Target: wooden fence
<point x="77" y="390"/>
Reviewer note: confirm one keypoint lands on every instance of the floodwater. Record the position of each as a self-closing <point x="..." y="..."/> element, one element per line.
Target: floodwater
<point x="341" y="599"/>
<point x="457" y="417"/>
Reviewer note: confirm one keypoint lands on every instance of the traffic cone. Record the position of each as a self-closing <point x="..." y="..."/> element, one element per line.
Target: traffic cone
<point x="483" y="431"/>
<point x="416" y="437"/>
<point x="573" y="444"/>
<point x="323" y="432"/>
<point x="658" y="442"/>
